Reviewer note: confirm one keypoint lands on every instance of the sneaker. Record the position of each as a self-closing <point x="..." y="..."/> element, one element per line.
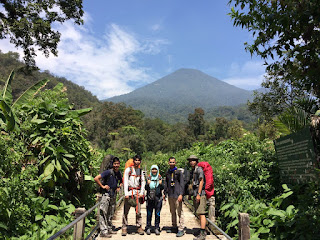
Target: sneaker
<point x="140" y="231"/>
<point x="148" y="231"/>
<point x="157" y="231"/>
<point x="112" y="231"/>
<point x="172" y="230"/>
<point x="124" y="232"/>
<point x="180" y="233"/>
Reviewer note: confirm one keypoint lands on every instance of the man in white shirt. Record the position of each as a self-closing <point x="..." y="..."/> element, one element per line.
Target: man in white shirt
<point x="134" y="186"/>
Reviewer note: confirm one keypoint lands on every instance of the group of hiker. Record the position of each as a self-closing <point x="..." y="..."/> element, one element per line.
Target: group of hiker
<point x="153" y="189"/>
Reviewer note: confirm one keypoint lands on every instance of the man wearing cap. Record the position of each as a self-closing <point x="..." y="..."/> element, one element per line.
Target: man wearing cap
<point x="199" y="195"/>
<point x="109" y="181"/>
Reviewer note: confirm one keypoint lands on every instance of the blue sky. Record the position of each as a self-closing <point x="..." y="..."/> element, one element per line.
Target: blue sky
<point x="126" y="44"/>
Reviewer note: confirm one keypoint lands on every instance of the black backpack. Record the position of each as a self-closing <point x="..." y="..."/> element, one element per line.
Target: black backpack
<point x="107" y="163"/>
<point x="186" y="177"/>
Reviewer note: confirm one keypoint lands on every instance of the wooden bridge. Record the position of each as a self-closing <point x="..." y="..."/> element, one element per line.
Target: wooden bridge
<point x="191" y="222"/>
<point x="192" y="225"/>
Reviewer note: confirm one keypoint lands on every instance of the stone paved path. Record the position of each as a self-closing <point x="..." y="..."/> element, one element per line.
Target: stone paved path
<point x="191" y="222"/>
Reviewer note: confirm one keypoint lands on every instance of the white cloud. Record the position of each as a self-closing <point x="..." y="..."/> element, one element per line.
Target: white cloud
<point x="154" y="47"/>
<point x="156" y="27"/>
<point x="107" y="66"/>
<point x="247" y="76"/>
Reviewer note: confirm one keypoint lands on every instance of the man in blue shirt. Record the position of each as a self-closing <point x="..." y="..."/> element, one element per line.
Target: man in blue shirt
<point x="109" y="181"/>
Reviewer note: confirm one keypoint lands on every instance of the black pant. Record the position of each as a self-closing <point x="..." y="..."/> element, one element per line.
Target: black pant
<point x="156" y="205"/>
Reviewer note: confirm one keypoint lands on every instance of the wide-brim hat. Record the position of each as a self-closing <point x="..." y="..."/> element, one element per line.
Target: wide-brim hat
<point x="193" y="157"/>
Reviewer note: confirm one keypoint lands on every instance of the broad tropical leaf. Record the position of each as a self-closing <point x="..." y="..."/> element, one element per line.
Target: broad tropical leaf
<point x="2" y="117"/>
<point x="82" y="112"/>
<point x="6" y="93"/>
<point x="8" y="114"/>
<point x="292" y="120"/>
<point x="281" y="127"/>
<point x="58" y="88"/>
<point x="30" y="92"/>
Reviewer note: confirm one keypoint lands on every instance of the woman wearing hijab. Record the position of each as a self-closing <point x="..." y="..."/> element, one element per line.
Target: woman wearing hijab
<point x="154" y="198"/>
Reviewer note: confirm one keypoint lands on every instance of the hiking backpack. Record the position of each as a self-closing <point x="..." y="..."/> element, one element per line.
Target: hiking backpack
<point x="186" y="177"/>
<point x="107" y="164"/>
<point x="129" y="163"/>
<point x="208" y="174"/>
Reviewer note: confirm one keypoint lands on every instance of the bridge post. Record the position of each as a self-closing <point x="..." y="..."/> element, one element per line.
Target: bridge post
<point x="212" y="209"/>
<point x="78" y="230"/>
<point x="244" y="226"/>
<point x="98" y="199"/>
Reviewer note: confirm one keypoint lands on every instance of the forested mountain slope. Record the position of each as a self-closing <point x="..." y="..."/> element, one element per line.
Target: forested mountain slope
<point x="181" y="92"/>
<point x="77" y="95"/>
<point x="170" y="108"/>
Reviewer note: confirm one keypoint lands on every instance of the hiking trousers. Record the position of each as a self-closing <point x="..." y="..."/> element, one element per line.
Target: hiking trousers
<point x="107" y="207"/>
<point x="176" y="208"/>
<point x="126" y="209"/>
<point x="154" y="205"/>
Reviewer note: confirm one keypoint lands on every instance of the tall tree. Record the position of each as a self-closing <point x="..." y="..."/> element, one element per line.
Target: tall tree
<point x="27" y="23"/>
<point x="288" y="32"/>
<point x="197" y="122"/>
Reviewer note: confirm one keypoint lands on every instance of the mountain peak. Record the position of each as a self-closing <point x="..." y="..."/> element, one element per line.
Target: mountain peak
<point x="185" y="88"/>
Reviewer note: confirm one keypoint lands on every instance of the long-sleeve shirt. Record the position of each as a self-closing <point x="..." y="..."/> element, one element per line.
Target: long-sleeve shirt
<point x="176" y="189"/>
<point x="133" y="181"/>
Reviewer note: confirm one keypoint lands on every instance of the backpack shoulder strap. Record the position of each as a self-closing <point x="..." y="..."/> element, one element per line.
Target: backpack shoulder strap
<point x="176" y="175"/>
<point x="130" y="172"/>
<point x="112" y="173"/>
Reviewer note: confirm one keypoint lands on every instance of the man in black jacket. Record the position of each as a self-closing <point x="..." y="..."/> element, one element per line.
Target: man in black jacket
<point x="174" y="188"/>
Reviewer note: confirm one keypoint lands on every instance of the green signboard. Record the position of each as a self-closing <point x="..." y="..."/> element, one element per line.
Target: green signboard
<point x="296" y="156"/>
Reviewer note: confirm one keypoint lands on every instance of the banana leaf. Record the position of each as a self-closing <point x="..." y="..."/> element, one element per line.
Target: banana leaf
<point x="30" y="92"/>
<point x="6" y="92"/>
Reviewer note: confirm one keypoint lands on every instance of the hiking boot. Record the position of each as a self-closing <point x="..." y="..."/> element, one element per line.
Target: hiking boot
<point x="124" y="232"/>
<point x="105" y="235"/>
<point x="140" y="231"/>
<point x="180" y="233"/>
<point x="201" y="236"/>
<point x="148" y="231"/>
<point x="172" y="230"/>
<point x="157" y="231"/>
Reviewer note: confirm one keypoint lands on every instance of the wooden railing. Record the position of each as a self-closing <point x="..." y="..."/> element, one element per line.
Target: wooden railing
<point x="243" y="229"/>
<point x="79" y="222"/>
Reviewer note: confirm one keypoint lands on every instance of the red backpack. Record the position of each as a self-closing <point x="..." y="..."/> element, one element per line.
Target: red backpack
<point x="208" y="173"/>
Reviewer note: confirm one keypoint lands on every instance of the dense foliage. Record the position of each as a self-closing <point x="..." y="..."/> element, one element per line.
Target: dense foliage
<point x="286" y="35"/>
<point x="46" y="164"/>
